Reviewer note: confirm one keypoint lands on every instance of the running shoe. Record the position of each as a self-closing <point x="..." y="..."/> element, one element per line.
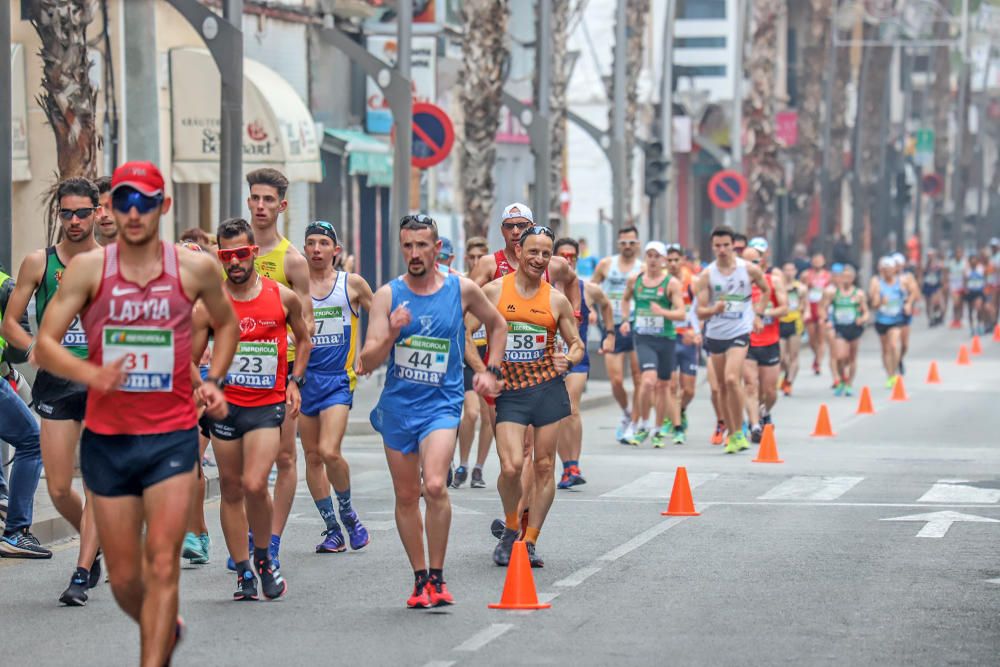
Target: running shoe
<point x="848" y="390"/>
<point x="741" y="441"/>
<point x="684" y="420"/>
<point x="437" y="592"/>
<point x="246" y="587"/>
<point x="680" y="437"/>
<point x="194" y="550"/>
<point x="667" y="426"/>
<point x="206" y="544"/>
<point x="627" y="434"/>
<point x="76" y="594"/>
<point x="575" y="476"/>
<point x="356" y="532"/>
<point x="22" y="544"/>
<point x="271" y="581"/>
<point x="420" y="599"/>
<point x="839" y="389"/>
<point x="497" y="528"/>
<point x="622" y="428"/>
<point x="564" y="481"/>
<point x="501" y="553"/>
<point x="659" y="439"/>
<point x="333" y="542"/>
<point x="732" y="444"/>
<point x="272" y="551"/>
<point x="765" y="418"/>
<point x="890" y="382"/>
<point x="95" y="571"/>
<point x="638" y="437"/>
<point x="461" y="474"/>
<point x="756" y="433"/>
<point x="720" y="433"/>
<point x="786" y="388"/>
<point x="477" y="479"/>
<point x="533" y="558"/>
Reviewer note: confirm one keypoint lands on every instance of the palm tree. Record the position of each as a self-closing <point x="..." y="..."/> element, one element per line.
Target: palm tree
<point x="557" y="102"/>
<point x="67" y="96"/>
<point x="484" y="56"/>
<point x="941" y="104"/>
<point x="844" y="73"/>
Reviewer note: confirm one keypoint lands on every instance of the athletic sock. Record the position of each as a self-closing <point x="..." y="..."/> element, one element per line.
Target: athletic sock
<point x="531" y="534"/>
<point x="569" y="464"/>
<point x="512" y="522"/>
<point x="479" y="467"/>
<point x="420" y="576"/>
<point x="325" y="507"/>
<point x="83" y="572"/>
<point x="244" y="566"/>
<point x="275" y="542"/>
<point x="344" y="501"/>
<point x="464" y="464"/>
<point x="260" y="554"/>
<point x="436" y="574"/>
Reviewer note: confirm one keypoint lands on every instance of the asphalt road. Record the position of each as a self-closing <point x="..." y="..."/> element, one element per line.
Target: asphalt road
<point x="793" y="563"/>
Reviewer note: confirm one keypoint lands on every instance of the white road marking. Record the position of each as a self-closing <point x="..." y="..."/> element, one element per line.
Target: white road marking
<point x="440" y="663"/>
<point x="811" y="488"/>
<point x="484" y="637"/>
<point x="577" y="577"/>
<point x="956" y="491"/>
<point x="993" y="581"/>
<point x="380" y="525"/>
<point x="656" y="485"/>
<point x="546" y="597"/>
<point x="641" y="538"/>
<point x="938" y="523"/>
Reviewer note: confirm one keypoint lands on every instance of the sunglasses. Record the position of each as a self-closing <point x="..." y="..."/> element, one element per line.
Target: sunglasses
<point x="568" y="256"/>
<point x="125" y="199"/>
<point x="242" y="253"/>
<point x="674" y="246"/>
<point x="511" y="226"/>
<point x="418" y="219"/>
<point x="628" y="242"/>
<point x="540" y="231"/>
<point x="80" y="213"/>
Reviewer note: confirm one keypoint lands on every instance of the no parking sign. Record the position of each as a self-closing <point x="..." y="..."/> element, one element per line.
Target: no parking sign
<point x="727" y="189"/>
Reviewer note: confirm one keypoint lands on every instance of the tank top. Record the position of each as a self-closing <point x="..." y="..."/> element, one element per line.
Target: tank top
<point x="687" y="292"/>
<point x="424" y="374"/>
<point x="846" y="309"/>
<point x="646" y="322"/>
<point x="75" y="338"/>
<point x="817" y="282"/>
<point x="794" y="303"/>
<point x="956" y="271"/>
<point x="272" y="265"/>
<point x="891" y="310"/>
<point x="614" y="285"/>
<point x="771" y="332"/>
<point x="531" y="330"/>
<point x="932" y="276"/>
<point x="735" y="291"/>
<point x="583" y="327"/>
<point x="151" y="327"/>
<point x="335" y="342"/>
<point x="504" y="267"/>
<point x="256" y="376"/>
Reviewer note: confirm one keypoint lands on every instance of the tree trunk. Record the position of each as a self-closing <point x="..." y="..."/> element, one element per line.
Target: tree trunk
<point x="811" y="77"/>
<point x="557" y="103"/>
<point x="941" y="105"/>
<point x="838" y="138"/>
<point x="484" y="57"/>
<point x="765" y="171"/>
<point x="67" y="96"/>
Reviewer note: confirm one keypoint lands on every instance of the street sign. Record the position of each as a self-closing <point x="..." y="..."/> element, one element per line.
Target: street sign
<point x="727" y="189"/>
<point x="925" y="141"/>
<point x="433" y="135"/>
<point x="786" y="128"/>
<point x="932" y="185"/>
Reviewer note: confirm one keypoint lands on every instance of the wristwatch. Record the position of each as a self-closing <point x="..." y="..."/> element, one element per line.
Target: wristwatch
<point x="218" y="382"/>
<point x="297" y="379"/>
<point x="497" y="372"/>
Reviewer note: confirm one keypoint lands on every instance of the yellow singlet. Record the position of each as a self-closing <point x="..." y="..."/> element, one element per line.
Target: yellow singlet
<point x="272" y="265"/>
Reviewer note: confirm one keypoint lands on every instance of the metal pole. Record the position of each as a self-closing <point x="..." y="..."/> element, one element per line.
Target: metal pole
<point x="825" y="225"/>
<point x="619" y="159"/>
<point x="667" y="226"/>
<point x="6" y="147"/>
<point x="736" y="130"/>
<point x="958" y="194"/>
<point x="543" y="151"/>
<point x="231" y="123"/>
<point x="399" y="201"/>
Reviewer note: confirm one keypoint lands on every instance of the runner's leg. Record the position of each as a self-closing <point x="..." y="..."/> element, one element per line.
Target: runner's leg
<point x="405" y="472"/>
<point x="733" y="398"/>
<point x="229" y="457"/>
<point x="768" y="385"/>
<point x="260" y="447"/>
<point x="571" y="434"/>
<point x="316" y="479"/>
<point x="59" y="439"/>
<point x="467" y="427"/>
<point x="510" y="449"/>
<point x="544" y="452"/>
<point x="485" y="433"/>
<point x="751" y="388"/>
<point x="615" y="365"/>
<point x="119" y="521"/>
<point x="287" y="479"/>
<point x="436" y="452"/>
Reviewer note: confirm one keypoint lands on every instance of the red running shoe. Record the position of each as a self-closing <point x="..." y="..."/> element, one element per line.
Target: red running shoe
<point x="420" y="598"/>
<point x="437" y="593"/>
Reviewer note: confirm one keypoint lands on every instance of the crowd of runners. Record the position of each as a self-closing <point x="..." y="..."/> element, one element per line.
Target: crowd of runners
<point x="147" y="351"/>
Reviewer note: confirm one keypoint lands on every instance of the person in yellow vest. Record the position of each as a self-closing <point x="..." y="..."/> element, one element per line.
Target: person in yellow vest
<point x="282" y="262"/>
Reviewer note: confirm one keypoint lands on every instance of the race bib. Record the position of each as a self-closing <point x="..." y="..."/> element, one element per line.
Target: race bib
<point x="75" y="336"/>
<point x="148" y="353"/>
<point x="561" y="344"/>
<point x="479" y="336"/>
<point x="422" y="359"/>
<point x="844" y="316"/>
<point x="815" y="294"/>
<point x="892" y="308"/>
<point x="525" y="342"/>
<point x="932" y="279"/>
<point x="329" y="326"/>
<point x="735" y="306"/>
<point x="976" y="284"/>
<point x="255" y="365"/>
<point x="647" y="324"/>
<point x="793" y="300"/>
<point x="616" y="303"/>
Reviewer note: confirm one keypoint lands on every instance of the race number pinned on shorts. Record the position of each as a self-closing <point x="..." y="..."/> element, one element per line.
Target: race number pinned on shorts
<point x="255" y="365"/>
<point x="75" y="336"/>
<point x="148" y="353"/>
<point x="422" y="359"/>
<point x="329" y="326"/>
<point x="525" y="342"/>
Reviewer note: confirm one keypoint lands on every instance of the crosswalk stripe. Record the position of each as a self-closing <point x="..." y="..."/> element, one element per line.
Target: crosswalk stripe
<point x="805" y="487"/>
<point x="959" y="491"/>
<point x="656" y="485"/>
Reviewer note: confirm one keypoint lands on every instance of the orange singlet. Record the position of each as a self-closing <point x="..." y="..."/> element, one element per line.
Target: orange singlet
<point x="531" y="330"/>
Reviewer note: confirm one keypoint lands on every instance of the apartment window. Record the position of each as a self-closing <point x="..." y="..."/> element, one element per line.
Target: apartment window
<point x="700" y="70"/>
<point x="701" y="9"/>
<point x="700" y="43"/>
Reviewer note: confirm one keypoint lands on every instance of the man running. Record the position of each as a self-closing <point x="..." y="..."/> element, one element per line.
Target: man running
<point x="974" y="294"/>
<point x="60" y="403"/>
<point x="337" y="301"/>
<point x="762" y="365"/>
<point x="612" y="273"/>
<point x="686" y="351"/>
<point x="848" y="306"/>
<point x="658" y="304"/>
<point x="891" y="304"/>
<point x="958" y="266"/>
<point x="571" y="432"/>
<point x="909" y="283"/>
<point x="419" y="319"/>
<point x="932" y="287"/>
<point x="140" y="446"/>
<point x="534" y="390"/>
<point x="282" y="262"/>
<point x="791" y="327"/>
<point x="816" y="278"/>
<point x="724" y="291"/>
<point x="105" y="231"/>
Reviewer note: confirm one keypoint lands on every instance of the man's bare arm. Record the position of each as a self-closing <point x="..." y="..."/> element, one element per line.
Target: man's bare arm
<point x="29" y="277"/>
<point x="226" y="330"/>
<point x="295" y="318"/>
<point x="361" y="290"/>
<point x="297" y="272"/>
<point x="379" y="338"/>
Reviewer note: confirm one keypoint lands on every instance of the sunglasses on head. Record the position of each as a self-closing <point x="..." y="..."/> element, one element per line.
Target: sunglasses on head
<point x="242" y="253"/>
<point x="540" y="231"/>
<point x="80" y="213"/>
<point x="674" y="246"/>
<point x="124" y="200"/>
<point x="418" y="219"/>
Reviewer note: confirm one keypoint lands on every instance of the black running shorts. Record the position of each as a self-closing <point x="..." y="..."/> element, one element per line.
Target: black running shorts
<point x="58" y="399"/>
<point x="656" y="353"/>
<point x="241" y="420"/>
<point x="538" y="406"/>
<point x="765" y="355"/>
<point x="720" y="346"/>
<point x="127" y="465"/>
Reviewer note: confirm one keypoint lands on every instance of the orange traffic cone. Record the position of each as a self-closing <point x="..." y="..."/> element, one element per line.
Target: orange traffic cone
<point x="768" y="452"/>
<point x="519" y="588"/>
<point x="823" y="428"/>
<point x="996" y="334"/>
<point x="898" y="390"/>
<point x="933" y="377"/>
<point x="865" y="406"/>
<point x="977" y="347"/>
<point x="963" y="356"/>
<point x="681" y="503"/>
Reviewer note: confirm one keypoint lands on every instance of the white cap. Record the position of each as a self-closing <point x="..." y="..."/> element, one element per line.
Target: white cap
<point x="994" y="241"/>
<point x="657" y="246"/>
<point x="517" y="210"/>
<point x="886" y="263"/>
<point x="897" y="258"/>
<point x="758" y="243"/>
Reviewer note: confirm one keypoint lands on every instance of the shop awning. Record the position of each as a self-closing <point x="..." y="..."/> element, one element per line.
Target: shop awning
<point x="19" y="115"/>
<point x="366" y="156"/>
<point x="278" y="130"/>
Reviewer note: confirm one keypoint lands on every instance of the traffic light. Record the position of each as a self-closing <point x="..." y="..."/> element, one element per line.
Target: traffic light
<point x="904" y="191"/>
<point x="656" y="169"/>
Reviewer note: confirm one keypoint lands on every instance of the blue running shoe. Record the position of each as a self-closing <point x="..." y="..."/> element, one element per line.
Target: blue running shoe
<point x="333" y="542"/>
<point x="272" y="551"/>
<point x="230" y="563"/>
<point x="357" y="533"/>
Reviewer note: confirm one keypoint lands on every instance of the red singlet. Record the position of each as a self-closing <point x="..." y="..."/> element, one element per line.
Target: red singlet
<point x="257" y="375"/>
<point x="772" y="327"/>
<point x="504" y="267"/>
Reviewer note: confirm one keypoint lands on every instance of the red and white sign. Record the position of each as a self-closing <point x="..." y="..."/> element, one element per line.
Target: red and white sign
<point x="786" y="128"/>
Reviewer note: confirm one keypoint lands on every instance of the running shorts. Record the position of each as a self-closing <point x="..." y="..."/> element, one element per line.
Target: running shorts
<point x="848" y="332"/>
<point x="622" y="343"/>
<point x="973" y="295"/>
<point x="883" y="329"/>
<point x="765" y="355"/>
<point x="242" y="420"/>
<point x="685" y="359"/>
<point x="324" y="390"/>
<point x="720" y="345"/>
<point x="537" y="406"/>
<point x="404" y="432"/>
<point x="656" y="353"/>
<point x="467" y="375"/>
<point x="127" y="465"/>
<point x="58" y="399"/>
<point x="789" y="329"/>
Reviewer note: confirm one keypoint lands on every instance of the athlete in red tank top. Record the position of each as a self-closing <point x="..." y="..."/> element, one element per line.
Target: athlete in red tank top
<point x="763" y="363"/>
<point x="252" y="381"/>
<point x="769" y="335"/>
<point x="504" y="267"/>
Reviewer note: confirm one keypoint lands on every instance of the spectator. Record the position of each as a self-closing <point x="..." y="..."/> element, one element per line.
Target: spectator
<point x="204" y="240"/>
<point x="587" y="263"/>
<point x="800" y="257"/>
